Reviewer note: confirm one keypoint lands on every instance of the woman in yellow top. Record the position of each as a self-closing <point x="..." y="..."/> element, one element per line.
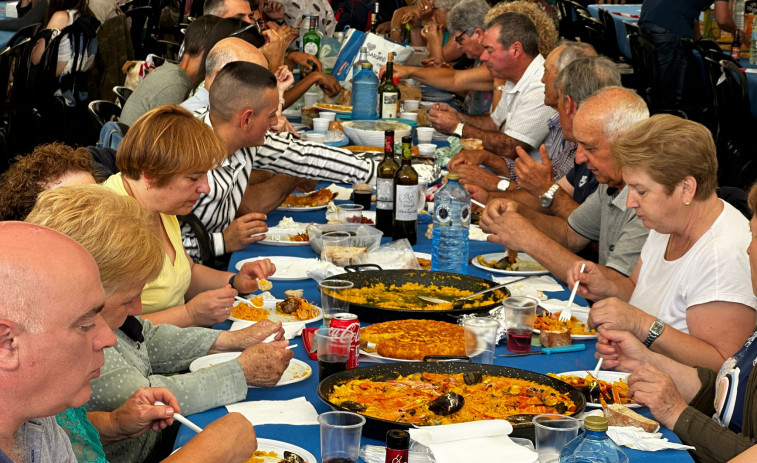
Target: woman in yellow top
<point x="164" y="159"/>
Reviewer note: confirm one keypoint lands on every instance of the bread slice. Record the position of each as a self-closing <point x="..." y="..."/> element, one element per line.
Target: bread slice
<point x="620" y="415"/>
<point x="554" y="338"/>
<point x="346" y="255"/>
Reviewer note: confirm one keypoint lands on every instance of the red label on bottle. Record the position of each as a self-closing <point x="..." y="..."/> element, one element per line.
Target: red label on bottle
<point x="396" y="456"/>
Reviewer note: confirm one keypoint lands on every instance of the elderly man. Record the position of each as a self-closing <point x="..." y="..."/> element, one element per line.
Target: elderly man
<point x="539" y="191"/>
<point x="56" y="353"/>
<point x="511" y="53"/>
<point x="561" y="152"/>
<point x="603" y="217"/>
<point x="243" y="103"/>
<point x="170" y="83"/>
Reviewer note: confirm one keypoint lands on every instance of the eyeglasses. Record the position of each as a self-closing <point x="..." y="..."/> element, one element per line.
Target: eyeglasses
<point x="459" y="37"/>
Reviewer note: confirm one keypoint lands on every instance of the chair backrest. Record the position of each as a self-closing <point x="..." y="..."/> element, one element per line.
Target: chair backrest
<point x="566" y="25"/>
<point x="104" y="111"/>
<point x="611" y="38"/>
<point x="594" y="32"/>
<point x="26" y="32"/>
<point x="631" y="28"/>
<point x="140" y="29"/>
<point x="122" y="93"/>
<point x="647" y="70"/>
<point x="207" y="256"/>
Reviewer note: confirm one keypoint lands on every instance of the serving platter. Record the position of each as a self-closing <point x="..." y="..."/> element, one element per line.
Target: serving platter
<point x="296" y="372"/>
<point x="301" y="208"/>
<point x="604" y="375"/>
<point x="270" y="306"/>
<point x="288" y="268"/>
<point x="538" y="269"/>
<point x="334" y="108"/>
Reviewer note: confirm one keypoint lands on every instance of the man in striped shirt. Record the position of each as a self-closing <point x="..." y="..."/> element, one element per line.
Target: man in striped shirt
<point x="243" y="104"/>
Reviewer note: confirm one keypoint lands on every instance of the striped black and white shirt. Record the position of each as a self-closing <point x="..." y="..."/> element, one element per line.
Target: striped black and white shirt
<point x="280" y="153"/>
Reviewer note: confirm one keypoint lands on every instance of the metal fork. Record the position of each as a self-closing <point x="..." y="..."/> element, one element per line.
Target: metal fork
<point x="565" y="314"/>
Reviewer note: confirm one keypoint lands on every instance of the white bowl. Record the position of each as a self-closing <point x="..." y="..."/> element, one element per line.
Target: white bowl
<point x="371" y="133"/>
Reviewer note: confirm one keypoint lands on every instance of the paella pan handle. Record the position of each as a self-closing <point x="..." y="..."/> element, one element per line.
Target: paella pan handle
<point x="439" y="358"/>
<point x="361" y="267"/>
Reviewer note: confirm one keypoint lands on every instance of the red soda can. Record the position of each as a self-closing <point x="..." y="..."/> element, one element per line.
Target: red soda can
<point x="349" y="321"/>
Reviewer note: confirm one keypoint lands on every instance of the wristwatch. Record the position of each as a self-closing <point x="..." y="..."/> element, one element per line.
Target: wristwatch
<point x="547" y="198"/>
<point x="654" y="332"/>
<point x="459" y="130"/>
<point x="503" y="184"/>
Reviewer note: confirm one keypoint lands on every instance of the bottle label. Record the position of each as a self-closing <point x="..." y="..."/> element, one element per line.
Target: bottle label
<point x="465" y="215"/>
<point x="389" y="104"/>
<point x="407" y="203"/>
<point x="311" y="48"/>
<point x="441" y="211"/>
<point x="396" y="456"/>
<point x="384" y="193"/>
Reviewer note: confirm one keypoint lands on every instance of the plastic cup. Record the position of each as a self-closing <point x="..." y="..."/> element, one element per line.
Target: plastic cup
<point x="425" y="149"/>
<point x="320" y="124"/>
<point x="362" y="194"/>
<point x="310" y="98"/>
<point x="411" y="116"/>
<point x="333" y="346"/>
<point x="480" y="339"/>
<point x="316" y="137"/>
<point x="340" y="436"/>
<point x="424" y="134"/>
<point x="411" y="105"/>
<point x="350" y="213"/>
<point x="331" y="302"/>
<point x="520" y="313"/>
<point x="328" y="115"/>
<point x="552" y="433"/>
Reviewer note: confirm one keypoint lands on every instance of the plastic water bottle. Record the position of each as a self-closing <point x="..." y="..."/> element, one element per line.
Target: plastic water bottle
<point x="593" y="446"/>
<point x="365" y="94"/>
<point x="451" y="222"/>
<point x="753" y="44"/>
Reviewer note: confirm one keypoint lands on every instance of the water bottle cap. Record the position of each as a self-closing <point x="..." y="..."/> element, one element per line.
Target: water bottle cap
<point x="453" y="176"/>
<point x="595" y="423"/>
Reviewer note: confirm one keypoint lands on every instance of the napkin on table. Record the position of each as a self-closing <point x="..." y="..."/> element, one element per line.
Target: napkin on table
<point x="638" y="439"/>
<point x="291" y="330"/>
<point x="533" y="287"/>
<point x="472" y="441"/>
<point x="296" y="411"/>
<point x="340" y="191"/>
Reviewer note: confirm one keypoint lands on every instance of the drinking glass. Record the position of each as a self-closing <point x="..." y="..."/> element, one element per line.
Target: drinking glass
<point x="340" y="436"/>
<point x="520" y="313"/>
<point x="332" y="301"/>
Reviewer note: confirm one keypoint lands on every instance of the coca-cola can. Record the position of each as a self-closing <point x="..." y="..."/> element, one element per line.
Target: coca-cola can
<point x="349" y="321"/>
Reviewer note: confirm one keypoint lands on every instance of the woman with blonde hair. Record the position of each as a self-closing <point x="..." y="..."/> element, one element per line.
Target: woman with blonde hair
<point x="689" y="296"/>
<point x="163" y="161"/>
<point x="147" y="356"/>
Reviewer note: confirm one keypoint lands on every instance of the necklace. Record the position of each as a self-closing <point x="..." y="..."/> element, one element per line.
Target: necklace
<point x="699" y="223"/>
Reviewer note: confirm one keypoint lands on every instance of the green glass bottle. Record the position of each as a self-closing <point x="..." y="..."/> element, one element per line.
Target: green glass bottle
<point x="385" y="186"/>
<point x="389" y="92"/>
<point x="311" y="42"/>
<point x="406" y="196"/>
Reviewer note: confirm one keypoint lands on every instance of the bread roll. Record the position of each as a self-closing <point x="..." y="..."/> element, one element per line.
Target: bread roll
<point x="554" y="338"/>
<point x="620" y="415"/>
<point x="346" y="255"/>
<point x="472" y="144"/>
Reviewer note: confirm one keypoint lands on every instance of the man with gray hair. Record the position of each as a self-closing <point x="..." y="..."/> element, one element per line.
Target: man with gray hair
<point x="538" y="188"/>
<point x="603" y="217"/>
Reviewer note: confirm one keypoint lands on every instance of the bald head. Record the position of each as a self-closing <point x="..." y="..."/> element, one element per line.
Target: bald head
<point x="615" y="110"/>
<point x="229" y="50"/>
<point x="31" y="279"/>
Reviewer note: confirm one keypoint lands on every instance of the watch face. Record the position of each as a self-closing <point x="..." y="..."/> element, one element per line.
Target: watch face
<point x="545" y="202"/>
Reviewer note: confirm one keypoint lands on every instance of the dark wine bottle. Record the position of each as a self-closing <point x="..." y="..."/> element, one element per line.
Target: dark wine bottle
<point x="406" y="196"/>
<point x="385" y="186"/>
<point x="389" y="92"/>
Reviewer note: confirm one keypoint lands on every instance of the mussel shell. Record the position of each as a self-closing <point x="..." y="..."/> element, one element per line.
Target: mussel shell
<point x="291" y="457"/>
<point x="352" y="406"/>
<point x="447" y="404"/>
<point x="472" y="377"/>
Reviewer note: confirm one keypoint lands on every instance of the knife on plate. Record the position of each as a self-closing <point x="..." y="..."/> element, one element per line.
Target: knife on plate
<point x="549" y="350"/>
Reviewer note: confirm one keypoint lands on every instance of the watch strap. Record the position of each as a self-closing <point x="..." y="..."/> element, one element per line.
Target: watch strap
<point x="654" y="332"/>
<point x="459" y="130"/>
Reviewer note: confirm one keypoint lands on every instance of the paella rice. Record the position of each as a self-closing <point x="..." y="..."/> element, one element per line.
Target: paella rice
<point x="404" y="297"/>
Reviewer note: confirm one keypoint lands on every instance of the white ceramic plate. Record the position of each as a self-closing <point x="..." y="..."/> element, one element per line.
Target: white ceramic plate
<point x="276" y="236"/>
<point x="330" y="108"/>
<point x="522" y="257"/>
<point x="604" y="375"/>
<point x="296" y="372"/>
<point x="279" y="447"/>
<point x="270" y="306"/>
<point x="301" y="208"/>
<point x="582" y="315"/>
<point x="288" y="268"/>
<point x="332" y="216"/>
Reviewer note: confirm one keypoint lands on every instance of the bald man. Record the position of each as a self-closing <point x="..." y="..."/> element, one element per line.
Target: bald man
<point x="603" y="217"/>
<point x="50" y="354"/>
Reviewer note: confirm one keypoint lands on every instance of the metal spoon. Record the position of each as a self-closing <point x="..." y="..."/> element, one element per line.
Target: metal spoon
<point x="458" y="303"/>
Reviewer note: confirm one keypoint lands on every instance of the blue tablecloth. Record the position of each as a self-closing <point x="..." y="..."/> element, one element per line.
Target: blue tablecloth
<point x="5" y="36"/>
<point x="308" y="437"/>
<point x="628" y="13"/>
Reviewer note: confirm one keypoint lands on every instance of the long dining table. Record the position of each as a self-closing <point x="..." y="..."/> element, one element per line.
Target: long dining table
<point x="308" y="436"/>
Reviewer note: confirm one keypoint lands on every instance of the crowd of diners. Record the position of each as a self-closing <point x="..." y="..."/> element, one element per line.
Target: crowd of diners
<point x="106" y="303"/>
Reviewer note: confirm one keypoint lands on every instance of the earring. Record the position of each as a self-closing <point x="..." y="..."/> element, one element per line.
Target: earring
<point x="687" y="204"/>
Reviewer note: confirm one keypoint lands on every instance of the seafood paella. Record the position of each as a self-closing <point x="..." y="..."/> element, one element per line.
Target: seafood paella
<point x="405" y="297"/>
